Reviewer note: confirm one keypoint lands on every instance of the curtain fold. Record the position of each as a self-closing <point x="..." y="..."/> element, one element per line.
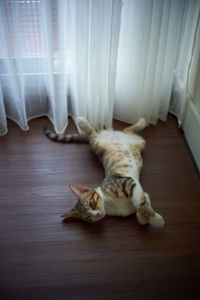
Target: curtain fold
<point x="95" y="58"/>
<point x="58" y="58"/>
<point x="180" y="90"/>
<point x="93" y="44"/>
<point x="156" y="39"/>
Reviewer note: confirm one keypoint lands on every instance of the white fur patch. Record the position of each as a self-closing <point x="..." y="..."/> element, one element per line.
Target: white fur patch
<point x="113" y="137"/>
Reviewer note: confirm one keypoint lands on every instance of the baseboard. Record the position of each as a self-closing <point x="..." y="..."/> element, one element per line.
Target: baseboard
<point x="191" y="131"/>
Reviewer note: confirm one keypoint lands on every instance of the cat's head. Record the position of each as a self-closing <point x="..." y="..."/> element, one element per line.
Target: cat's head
<point x="89" y="207"/>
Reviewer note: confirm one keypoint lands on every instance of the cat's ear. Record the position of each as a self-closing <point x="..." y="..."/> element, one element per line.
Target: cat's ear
<point x="79" y="190"/>
<point x="70" y="214"/>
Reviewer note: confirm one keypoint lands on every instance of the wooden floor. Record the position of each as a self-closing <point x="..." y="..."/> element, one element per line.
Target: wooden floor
<point x="43" y="258"/>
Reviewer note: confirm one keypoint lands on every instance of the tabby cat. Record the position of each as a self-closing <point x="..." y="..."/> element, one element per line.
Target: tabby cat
<point x="120" y="194"/>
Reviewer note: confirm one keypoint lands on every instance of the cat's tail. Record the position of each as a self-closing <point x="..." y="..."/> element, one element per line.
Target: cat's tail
<point x="67" y="138"/>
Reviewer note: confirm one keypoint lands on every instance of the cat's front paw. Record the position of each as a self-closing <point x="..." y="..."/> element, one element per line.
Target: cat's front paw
<point x="157" y="221"/>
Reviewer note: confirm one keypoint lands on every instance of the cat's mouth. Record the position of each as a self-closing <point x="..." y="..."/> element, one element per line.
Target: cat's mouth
<point x="97" y="216"/>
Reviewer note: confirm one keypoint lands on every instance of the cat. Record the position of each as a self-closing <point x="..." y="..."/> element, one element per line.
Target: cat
<point x="120" y="193"/>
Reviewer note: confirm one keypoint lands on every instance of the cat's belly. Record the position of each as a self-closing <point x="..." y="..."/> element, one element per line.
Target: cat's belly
<point x="119" y="207"/>
<point x="118" y="137"/>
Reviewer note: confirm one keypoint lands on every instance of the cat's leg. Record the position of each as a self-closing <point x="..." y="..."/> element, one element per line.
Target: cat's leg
<point x="98" y="147"/>
<point x="141" y="220"/>
<point x="145" y="213"/>
<point x="139" y="216"/>
<point x="141" y="124"/>
<point x="85" y="126"/>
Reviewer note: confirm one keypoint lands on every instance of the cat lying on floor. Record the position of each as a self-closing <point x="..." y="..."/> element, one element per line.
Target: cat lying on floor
<point x="120" y="193"/>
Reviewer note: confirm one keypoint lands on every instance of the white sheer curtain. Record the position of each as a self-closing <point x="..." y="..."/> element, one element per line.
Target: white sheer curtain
<point x="95" y="58"/>
<point x="155" y="49"/>
<point x="58" y="58"/>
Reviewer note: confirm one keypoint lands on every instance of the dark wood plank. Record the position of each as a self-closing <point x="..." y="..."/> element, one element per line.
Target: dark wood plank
<point x="43" y="258"/>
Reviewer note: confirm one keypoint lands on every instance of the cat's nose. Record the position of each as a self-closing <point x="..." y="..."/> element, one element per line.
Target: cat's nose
<point x="98" y="214"/>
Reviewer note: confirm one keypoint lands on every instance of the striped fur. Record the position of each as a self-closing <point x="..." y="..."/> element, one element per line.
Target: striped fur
<point x="119" y="187"/>
<point x="121" y="193"/>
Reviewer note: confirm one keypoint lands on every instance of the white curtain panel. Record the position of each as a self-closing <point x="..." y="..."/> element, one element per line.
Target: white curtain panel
<point x="155" y="49"/>
<point x="58" y="58"/>
<point x="186" y="54"/>
<point x="95" y="58"/>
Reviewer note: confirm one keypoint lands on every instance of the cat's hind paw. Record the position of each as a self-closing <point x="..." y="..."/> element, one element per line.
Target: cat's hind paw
<point x="82" y="122"/>
<point x="157" y="221"/>
<point x="141" y="123"/>
<point x="85" y="125"/>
